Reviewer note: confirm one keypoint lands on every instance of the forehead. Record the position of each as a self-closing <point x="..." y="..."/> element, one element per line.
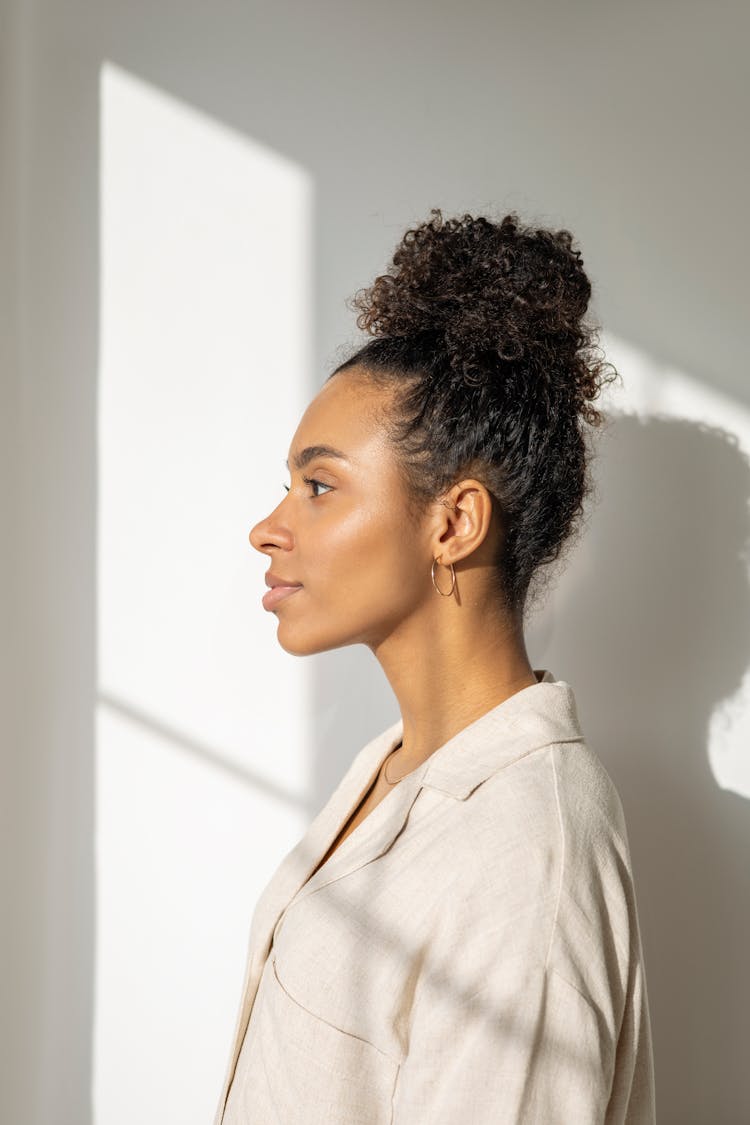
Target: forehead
<point x="345" y="414"/>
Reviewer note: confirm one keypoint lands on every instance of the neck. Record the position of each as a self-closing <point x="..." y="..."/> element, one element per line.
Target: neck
<point x="447" y="675"/>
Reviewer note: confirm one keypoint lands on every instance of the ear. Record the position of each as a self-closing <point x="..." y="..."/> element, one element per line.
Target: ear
<point x="461" y="521"/>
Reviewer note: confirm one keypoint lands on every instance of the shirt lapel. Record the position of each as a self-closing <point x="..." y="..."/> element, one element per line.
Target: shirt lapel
<point x="293" y="871"/>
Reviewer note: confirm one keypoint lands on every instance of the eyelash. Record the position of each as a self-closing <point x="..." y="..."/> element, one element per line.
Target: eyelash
<point x="311" y="480"/>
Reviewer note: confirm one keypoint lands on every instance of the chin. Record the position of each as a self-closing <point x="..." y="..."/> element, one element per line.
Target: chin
<point x="296" y="643"/>
<point x="297" y="650"/>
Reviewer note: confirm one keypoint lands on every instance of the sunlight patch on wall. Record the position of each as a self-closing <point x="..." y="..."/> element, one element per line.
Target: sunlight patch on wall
<point x="203" y="743"/>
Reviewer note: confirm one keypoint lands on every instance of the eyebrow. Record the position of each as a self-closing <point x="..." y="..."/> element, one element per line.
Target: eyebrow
<point x="310" y="452"/>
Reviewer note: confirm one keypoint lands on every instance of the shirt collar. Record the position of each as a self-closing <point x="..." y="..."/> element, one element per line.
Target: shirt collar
<point x="536" y="716"/>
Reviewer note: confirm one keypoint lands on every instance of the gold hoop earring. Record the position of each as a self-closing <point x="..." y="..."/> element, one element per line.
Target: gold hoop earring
<point x="453" y="578"/>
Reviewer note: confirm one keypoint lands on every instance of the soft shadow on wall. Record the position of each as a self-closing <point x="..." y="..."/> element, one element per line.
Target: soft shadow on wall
<point x="653" y="624"/>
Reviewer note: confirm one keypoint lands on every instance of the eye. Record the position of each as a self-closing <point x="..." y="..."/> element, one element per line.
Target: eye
<point x="312" y="481"/>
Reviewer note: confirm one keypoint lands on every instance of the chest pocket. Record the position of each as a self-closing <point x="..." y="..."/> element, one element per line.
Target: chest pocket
<point x="316" y="1072"/>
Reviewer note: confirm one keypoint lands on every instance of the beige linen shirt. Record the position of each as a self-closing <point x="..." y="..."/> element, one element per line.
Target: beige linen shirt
<point x="470" y="953"/>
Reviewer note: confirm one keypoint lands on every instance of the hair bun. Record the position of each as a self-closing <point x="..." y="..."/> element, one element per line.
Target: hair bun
<point x="490" y="292"/>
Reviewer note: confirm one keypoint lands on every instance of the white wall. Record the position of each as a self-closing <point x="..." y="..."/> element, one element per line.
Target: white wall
<point x="619" y="122"/>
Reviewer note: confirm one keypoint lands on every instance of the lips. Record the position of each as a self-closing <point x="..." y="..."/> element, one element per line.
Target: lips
<point x="277" y="594"/>
<point x="275" y="580"/>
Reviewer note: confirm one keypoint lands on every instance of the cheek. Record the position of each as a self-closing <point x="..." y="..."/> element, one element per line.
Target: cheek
<point x="348" y="548"/>
<point x="363" y="552"/>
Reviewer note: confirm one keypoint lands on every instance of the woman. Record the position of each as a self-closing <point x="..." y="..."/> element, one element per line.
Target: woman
<point x="456" y="937"/>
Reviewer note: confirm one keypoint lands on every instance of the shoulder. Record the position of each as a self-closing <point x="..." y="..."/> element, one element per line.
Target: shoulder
<point x="545" y="836"/>
<point x="560" y="795"/>
<point x="539" y="877"/>
<point x="567" y="834"/>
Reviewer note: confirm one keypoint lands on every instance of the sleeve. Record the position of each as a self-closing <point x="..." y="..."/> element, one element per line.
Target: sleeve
<point x="513" y="1044"/>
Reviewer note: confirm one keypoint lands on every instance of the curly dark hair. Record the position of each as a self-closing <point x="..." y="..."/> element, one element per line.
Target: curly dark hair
<point x="479" y="330"/>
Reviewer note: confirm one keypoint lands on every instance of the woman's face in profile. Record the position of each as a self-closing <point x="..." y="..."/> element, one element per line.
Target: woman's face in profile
<point x="343" y="530"/>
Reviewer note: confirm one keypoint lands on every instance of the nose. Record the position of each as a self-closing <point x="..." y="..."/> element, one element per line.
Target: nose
<point x="269" y="533"/>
